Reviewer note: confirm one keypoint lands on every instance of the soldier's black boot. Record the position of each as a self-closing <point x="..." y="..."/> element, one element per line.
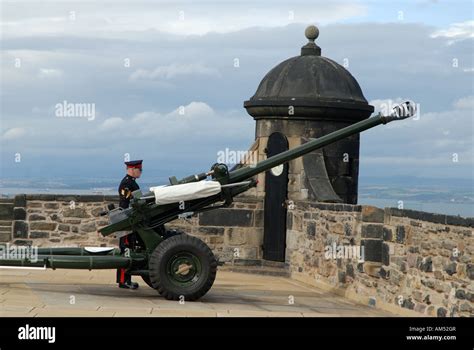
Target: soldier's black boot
<point x="124" y="280"/>
<point x="129" y="285"/>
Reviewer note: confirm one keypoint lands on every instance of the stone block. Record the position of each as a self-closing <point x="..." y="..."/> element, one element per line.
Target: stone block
<point x="89" y="227"/>
<point x="36" y="217"/>
<point x="258" y="218"/>
<point x="387" y="233"/>
<point x="246" y="252"/>
<point x="372" y="250"/>
<point x="460" y="294"/>
<point x="311" y="229"/>
<point x="63" y="227"/>
<point x="470" y="271"/>
<point x="6" y="211"/>
<point x="441" y="312"/>
<point x="209" y="230"/>
<point x="372" y="214"/>
<point x="227" y="217"/>
<point x="22" y="242"/>
<point x="19" y="200"/>
<point x="43" y="225"/>
<point x="385" y="254"/>
<point x="39" y="234"/>
<point x="19" y="214"/>
<point x="400" y="234"/>
<point x="20" y="229"/>
<point x="236" y="236"/>
<point x="372" y="231"/>
<point x="76" y="213"/>
<point x="372" y="269"/>
<point x="51" y="205"/>
<point x="451" y="268"/>
<point x="426" y="265"/>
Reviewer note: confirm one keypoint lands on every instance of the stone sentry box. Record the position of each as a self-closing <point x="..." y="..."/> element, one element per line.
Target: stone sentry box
<point x="304" y="97"/>
<point x="309" y="96"/>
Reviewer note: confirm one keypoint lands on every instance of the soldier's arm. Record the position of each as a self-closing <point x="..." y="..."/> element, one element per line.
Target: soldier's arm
<point x="126" y="192"/>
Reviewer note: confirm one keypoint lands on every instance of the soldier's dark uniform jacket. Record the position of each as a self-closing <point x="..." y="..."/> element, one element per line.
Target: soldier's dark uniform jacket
<point x="127" y="186"/>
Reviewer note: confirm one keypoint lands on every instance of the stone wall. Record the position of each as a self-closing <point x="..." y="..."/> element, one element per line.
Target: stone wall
<point x="234" y="233"/>
<point x="73" y="220"/>
<point x="414" y="262"/>
<point x="60" y="220"/>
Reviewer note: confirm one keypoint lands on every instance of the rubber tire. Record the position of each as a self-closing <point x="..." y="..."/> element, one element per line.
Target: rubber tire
<point x="167" y="249"/>
<point x="169" y="234"/>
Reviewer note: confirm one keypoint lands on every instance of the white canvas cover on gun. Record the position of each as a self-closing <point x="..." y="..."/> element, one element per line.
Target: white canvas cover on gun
<point x="185" y="192"/>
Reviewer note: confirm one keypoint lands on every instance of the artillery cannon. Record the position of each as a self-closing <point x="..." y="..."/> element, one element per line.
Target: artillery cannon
<point x="175" y="264"/>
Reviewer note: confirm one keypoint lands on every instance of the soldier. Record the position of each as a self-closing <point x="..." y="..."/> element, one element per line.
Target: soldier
<point x="127" y="186"/>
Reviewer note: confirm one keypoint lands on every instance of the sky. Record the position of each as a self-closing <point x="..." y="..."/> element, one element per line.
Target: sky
<point x="165" y="81"/>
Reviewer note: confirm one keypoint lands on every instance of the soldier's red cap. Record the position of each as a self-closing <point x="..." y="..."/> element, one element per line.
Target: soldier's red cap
<point x="134" y="164"/>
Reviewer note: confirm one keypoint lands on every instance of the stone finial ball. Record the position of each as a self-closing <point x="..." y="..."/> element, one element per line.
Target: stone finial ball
<point x="311" y="32"/>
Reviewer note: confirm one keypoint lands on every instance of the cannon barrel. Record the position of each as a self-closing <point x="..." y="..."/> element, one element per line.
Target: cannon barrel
<point x="286" y="156"/>
<point x="74" y="262"/>
<point x="402" y="111"/>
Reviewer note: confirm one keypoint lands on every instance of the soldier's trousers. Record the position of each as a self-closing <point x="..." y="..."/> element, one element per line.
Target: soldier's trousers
<point x="124" y="243"/>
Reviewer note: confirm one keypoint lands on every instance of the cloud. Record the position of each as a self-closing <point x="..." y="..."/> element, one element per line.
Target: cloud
<point x="195" y="123"/>
<point x="14" y="133"/>
<point x="143" y="117"/>
<point x="465" y="103"/>
<point x="45" y="73"/>
<point x="112" y="124"/>
<point x="404" y="161"/>
<point x="175" y="70"/>
<point x="456" y="31"/>
<point x="194" y="110"/>
<point x="189" y="128"/>
<point x="435" y="144"/>
<point x="183" y="18"/>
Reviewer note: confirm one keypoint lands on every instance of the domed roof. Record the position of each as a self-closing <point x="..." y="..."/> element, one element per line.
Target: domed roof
<point x="315" y="86"/>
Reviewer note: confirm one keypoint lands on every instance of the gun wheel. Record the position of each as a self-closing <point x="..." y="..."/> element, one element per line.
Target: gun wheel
<point x="182" y="267"/>
<point x="168" y="234"/>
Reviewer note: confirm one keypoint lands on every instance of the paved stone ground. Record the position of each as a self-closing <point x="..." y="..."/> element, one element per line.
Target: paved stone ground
<point x="48" y="293"/>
